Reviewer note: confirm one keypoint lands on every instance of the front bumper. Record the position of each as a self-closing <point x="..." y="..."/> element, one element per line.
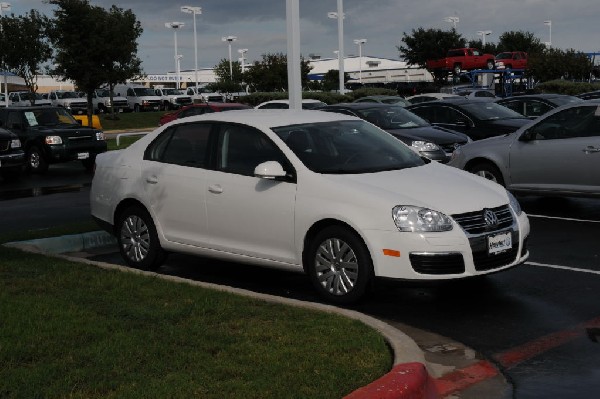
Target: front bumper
<point x="77" y="151"/>
<point x="12" y="160"/>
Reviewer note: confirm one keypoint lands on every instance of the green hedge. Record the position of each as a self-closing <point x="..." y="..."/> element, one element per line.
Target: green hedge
<point x="328" y="98"/>
<point x="566" y="87"/>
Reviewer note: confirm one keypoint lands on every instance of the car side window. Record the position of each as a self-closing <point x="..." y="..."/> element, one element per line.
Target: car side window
<point x="516" y="106"/>
<point x="241" y="149"/>
<point x="569" y="123"/>
<point x="185" y="145"/>
<point x="536" y="108"/>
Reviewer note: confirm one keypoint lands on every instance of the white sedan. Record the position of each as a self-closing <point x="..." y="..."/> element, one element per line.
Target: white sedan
<point x="326" y="193"/>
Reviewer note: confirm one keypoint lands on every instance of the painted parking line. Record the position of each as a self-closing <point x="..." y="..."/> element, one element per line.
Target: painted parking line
<point x="573" y="269"/>
<point x="463" y="378"/>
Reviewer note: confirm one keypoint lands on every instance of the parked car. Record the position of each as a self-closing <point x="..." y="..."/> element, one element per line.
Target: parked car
<point x="101" y="101"/>
<point x="511" y="60"/>
<point x="172" y="98"/>
<point x="12" y="156"/>
<point x="557" y="154"/>
<point x="285" y="104"/>
<point x="23" y="99"/>
<point x="429" y="141"/>
<point x="384" y="100"/>
<point x="202" y="95"/>
<point x="481" y="94"/>
<point x="477" y="119"/>
<point x="424" y="97"/>
<point x="591" y="95"/>
<point x="51" y="135"/>
<point x="534" y="105"/>
<point x="70" y="100"/>
<point x="139" y="98"/>
<point x="461" y="59"/>
<point x="329" y="194"/>
<point x="199" y="109"/>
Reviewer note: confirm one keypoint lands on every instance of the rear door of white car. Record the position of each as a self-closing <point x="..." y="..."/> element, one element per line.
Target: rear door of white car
<point x="564" y="154"/>
<point x="246" y="214"/>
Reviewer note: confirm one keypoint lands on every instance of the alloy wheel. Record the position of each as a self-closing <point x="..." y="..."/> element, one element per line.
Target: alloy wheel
<point x="336" y="266"/>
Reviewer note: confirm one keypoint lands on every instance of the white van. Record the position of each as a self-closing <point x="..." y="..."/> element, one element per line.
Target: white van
<point x="101" y="101"/>
<point x="139" y="98"/>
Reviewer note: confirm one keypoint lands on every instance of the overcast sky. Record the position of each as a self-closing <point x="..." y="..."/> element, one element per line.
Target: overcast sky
<point x="260" y="25"/>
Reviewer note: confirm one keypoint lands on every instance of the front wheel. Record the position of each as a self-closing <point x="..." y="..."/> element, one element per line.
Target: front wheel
<point x="488" y="171"/>
<point x="138" y="240"/>
<point x="339" y="265"/>
<point x="36" y="163"/>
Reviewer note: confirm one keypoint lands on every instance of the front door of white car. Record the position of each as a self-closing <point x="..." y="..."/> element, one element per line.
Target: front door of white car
<point x="562" y="152"/>
<point x="246" y="214"/>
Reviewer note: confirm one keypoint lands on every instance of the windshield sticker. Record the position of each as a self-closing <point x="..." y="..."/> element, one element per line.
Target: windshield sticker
<point x="31" y="119"/>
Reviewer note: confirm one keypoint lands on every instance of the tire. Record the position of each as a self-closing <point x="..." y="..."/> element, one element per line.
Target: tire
<point x="339" y="282"/>
<point x="138" y="240"/>
<point x="457" y="69"/>
<point x="491" y="65"/>
<point x="11" y="174"/>
<point x="136" y="108"/>
<point x="488" y="171"/>
<point x="36" y="163"/>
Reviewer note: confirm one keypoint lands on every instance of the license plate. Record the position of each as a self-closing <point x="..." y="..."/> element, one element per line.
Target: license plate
<point x="83" y="155"/>
<point x="499" y="243"/>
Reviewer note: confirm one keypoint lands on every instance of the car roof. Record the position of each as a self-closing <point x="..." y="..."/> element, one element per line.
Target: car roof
<point x="534" y="96"/>
<point x="458" y="100"/>
<point x="362" y="105"/>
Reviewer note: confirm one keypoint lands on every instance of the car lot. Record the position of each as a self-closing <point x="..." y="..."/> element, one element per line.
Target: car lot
<point x="549" y="304"/>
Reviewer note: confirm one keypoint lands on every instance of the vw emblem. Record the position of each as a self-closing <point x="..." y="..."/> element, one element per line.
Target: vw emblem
<point x="490" y="218"/>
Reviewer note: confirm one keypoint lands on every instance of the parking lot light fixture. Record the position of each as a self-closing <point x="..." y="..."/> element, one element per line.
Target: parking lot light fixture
<point x="549" y="25"/>
<point x="483" y="34"/>
<point x="4" y="7"/>
<point x="175" y="26"/>
<point x="243" y="52"/>
<point x="194" y="11"/>
<point x="229" y="40"/>
<point x="360" y="42"/>
<point x="339" y="15"/>
<point x="452" y="20"/>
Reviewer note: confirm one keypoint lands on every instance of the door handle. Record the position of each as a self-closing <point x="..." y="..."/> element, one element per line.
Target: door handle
<point x="151" y="179"/>
<point x="591" y="149"/>
<point x="215" y="188"/>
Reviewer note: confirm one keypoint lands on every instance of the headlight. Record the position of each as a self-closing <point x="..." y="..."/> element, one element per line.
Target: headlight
<point x="99" y="135"/>
<point x="417" y="219"/>
<point x="514" y="204"/>
<point x="53" y="140"/>
<point x="16" y="143"/>
<point x="420" y="145"/>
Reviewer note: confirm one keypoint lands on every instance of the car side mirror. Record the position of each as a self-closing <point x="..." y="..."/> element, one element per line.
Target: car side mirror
<point x="528" y="135"/>
<point x="269" y="170"/>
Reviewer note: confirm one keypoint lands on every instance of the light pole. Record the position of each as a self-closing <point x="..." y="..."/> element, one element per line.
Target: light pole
<point x="243" y="52"/>
<point x="339" y="15"/>
<point x="292" y="17"/>
<point x="549" y="24"/>
<point x="230" y="39"/>
<point x="483" y="34"/>
<point x="195" y="11"/>
<point x="360" y="42"/>
<point x="452" y="20"/>
<point x="4" y="7"/>
<point x="175" y="26"/>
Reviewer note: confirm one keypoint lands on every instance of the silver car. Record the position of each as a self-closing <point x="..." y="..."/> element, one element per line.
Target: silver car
<point x="557" y="154"/>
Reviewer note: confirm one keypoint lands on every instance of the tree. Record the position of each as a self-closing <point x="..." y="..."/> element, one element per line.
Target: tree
<point x="270" y="74"/>
<point x="559" y="64"/>
<point x="94" y="46"/>
<point x="489" y="48"/>
<point x="426" y="44"/>
<point x="331" y="80"/>
<point x="520" y="41"/>
<point x="225" y="82"/>
<point x="24" y="47"/>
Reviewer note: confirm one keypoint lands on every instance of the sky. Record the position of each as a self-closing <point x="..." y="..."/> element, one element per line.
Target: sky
<point x="260" y="25"/>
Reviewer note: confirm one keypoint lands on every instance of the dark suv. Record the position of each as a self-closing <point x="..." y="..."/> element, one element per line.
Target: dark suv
<point x="51" y="135"/>
<point x="12" y="157"/>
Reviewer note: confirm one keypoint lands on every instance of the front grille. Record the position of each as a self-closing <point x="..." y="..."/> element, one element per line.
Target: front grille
<point x="4" y="145"/>
<point x="78" y="105"/>
<point x="446" y="263"/>
<point x="474" y="222"/>
<point x="120" y="103"/>
<point x="184" y="100"/>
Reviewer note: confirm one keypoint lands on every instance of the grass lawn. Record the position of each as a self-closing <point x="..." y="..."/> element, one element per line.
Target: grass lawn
<point x="73" y="330"/>
<point x="131" y="120"/>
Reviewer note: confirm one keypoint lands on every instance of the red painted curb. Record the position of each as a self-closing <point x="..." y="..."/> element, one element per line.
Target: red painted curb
<point x="405" y="381"/>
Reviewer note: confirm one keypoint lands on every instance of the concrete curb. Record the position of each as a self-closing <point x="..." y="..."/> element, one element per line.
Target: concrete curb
<point x="410" y="378"/>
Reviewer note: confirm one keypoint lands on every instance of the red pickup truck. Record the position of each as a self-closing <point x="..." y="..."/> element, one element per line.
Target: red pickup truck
<point x="462" y="59"/>
<point x="512" y="60"/>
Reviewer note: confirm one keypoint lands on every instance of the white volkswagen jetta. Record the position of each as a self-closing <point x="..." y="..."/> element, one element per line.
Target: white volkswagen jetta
<point x="329" y="193"/>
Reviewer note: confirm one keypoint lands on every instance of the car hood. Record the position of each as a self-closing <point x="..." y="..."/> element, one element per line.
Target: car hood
<point x="434" y="134"/>
<point x="435" y="186"/>
<point x="67" y="129"/>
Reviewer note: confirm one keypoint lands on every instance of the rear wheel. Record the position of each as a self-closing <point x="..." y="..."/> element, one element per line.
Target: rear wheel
<point x="489" y="171"/>
<point x="339" y="265"/>
<point x="491" y="64"/>
<point x="136" y="108"/>
<point x="138" y="240"/>
<point x="457" y="69"/>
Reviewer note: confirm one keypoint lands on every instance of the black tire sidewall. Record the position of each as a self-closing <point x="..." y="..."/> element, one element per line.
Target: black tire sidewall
<point x="492" y="169"/>
<point x="156" y="255"/>
<point x="43" y="165"/>
<point x="365" y="264"/>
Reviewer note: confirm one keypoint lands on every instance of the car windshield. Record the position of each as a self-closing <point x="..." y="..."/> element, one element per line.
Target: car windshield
<point x="488" y="111"/>
<point x="67" y="94"/>
<point x="50" y="117"/>
<point x="104" y="93"/>
<point x="391" y="117"/>
<point x="144" y="91"/>
<point x="504" y="56"/>
<point x="171" y="92"/>
<point x="347" y="147"/>
<point x="29" y="96"/>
